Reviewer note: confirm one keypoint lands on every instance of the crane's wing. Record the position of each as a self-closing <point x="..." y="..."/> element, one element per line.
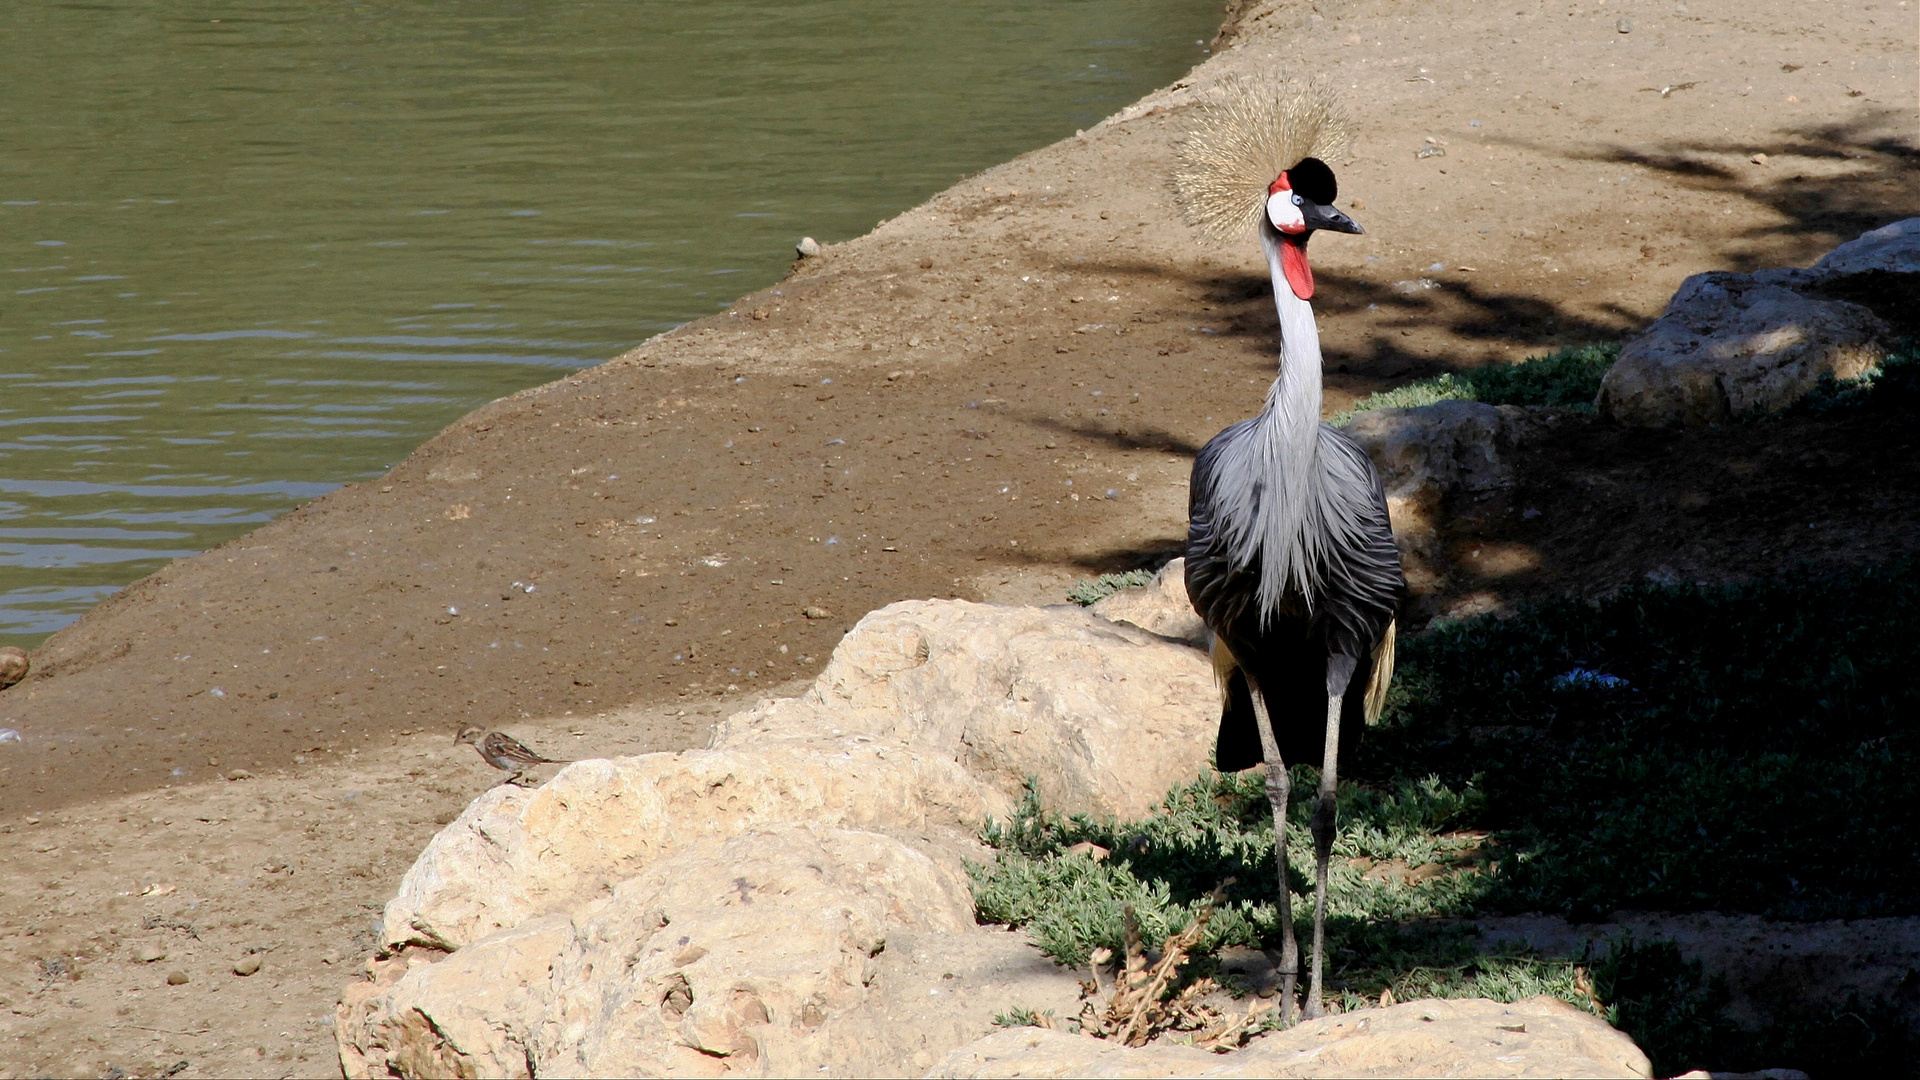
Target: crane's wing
<point x="1209" y="564"/>
<point x="1364" y="580"/>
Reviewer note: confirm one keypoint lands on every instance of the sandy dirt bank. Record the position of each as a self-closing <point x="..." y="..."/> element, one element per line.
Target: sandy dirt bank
<point x="986" y="397"/>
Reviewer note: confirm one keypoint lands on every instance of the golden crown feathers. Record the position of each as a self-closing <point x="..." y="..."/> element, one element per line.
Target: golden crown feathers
<point x="1258" y="127"/>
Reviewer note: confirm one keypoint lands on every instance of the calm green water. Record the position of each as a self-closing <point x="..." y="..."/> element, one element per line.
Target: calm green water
<point x="251" y="250"/>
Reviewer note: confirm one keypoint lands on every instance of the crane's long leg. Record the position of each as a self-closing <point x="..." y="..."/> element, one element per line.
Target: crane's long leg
<point x="1323" y="832"/>
<point x="1278" y="788"/>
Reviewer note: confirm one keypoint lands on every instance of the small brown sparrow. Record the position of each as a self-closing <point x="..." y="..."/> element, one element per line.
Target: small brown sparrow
<point x="503" y="752"/>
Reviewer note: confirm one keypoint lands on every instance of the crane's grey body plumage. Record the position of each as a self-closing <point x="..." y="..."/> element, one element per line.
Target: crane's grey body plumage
<point x="1317" y="637"/>
<point x="1290" y="556"/>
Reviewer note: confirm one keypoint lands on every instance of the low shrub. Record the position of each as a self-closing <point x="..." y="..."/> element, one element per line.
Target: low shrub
<point x="1094" y="590"/>
<point x="1568" y="378"/>
<point x="1675" y="748"/>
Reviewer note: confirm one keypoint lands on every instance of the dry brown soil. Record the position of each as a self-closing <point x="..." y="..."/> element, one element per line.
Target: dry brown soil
<point x="987" y="397"/>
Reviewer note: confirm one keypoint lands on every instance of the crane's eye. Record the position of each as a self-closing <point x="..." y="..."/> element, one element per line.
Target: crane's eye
<point x="1296" y="198"/>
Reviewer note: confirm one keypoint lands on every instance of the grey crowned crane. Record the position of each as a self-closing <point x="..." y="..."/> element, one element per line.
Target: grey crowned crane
<point x="1290" y="558"/>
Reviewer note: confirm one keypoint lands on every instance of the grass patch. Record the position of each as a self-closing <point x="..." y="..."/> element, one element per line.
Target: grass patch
<point x="1749" y="749"/>
<point x="1216" y="828"/>
<point x="1094" y="590"/>
<point x="1668" y="748"/>
<point x="1568" y="379"/>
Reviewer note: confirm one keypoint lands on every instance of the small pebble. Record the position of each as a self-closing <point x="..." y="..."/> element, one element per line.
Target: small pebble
<point x="247" y="966"/>
<point x="1625" y="26"/>
<point x="807" y="247"/>
<point x="176" y="978"/>
<point x="1759" y="159"/>
<point x="148" y="954"/>
<point x="816" y="613"/>
<point x="239" y="774"/>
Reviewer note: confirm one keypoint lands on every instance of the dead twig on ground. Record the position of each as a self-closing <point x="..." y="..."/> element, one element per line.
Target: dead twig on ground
<point x="1138" y="1007"/>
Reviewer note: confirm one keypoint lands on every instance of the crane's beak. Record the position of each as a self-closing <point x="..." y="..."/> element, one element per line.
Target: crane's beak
<point x="1326" y="218"/>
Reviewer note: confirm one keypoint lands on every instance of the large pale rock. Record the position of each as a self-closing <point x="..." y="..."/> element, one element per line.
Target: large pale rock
<point x="929" y="714"/>
<point x="1105" y="716"/>
<point x="1161" y="606"/>
<point x="1893" y="249"/>
<point x="1539" y="1037"/>
<point x="463" y="1016"/>
<point x="515" y="854"/>
<point x="1731" y="345"/>
<point x="755" y="956"/>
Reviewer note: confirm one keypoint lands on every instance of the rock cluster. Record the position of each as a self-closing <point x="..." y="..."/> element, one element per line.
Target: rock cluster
<point x="1731" y="345"/>
<point x="793" y="898"/>
<point x="736" y="907"/>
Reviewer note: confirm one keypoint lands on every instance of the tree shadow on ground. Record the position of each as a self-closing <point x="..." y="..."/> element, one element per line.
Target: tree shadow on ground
<point x="1815" y="209"/>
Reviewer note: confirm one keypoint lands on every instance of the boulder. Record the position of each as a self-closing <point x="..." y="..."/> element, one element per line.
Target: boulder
<point x="929" y="714"/>
<point x="516" y="854"/>
<point x="1541" y="1037"/>
<point x="13" y="665"/>
<point x="1159" y="607"/>
<point x="1892" y="249"/>
<point x="1105" y="716"/>
<point x="1430" y="455"/>
<point x="759" y="954"/>
<point x="1732" y="345"/>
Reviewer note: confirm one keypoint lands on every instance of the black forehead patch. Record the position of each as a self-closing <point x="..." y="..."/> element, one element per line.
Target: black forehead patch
<point x="1313" y="180"/>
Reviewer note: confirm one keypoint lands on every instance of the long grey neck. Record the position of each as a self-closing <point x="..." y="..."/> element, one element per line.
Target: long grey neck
<point x="1293" y="402"/>
<point x="1289" y="525"/>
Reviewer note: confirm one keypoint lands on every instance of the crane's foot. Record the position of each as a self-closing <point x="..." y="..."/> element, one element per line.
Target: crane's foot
<point x="1286" y="993"/>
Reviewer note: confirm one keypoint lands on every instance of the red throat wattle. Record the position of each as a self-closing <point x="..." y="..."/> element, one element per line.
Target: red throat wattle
<point x="1293" y="260"/>
<point x="1293" y="254"/>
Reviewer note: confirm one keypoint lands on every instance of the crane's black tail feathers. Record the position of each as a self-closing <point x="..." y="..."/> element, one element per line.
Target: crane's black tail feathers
<point x="1376" y="699"/>
<point x="1237" y="746"/>
<point x="1297" y="728"/>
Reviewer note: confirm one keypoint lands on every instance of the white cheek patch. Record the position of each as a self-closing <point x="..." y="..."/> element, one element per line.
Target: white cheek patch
<point x="1285" y="216"/>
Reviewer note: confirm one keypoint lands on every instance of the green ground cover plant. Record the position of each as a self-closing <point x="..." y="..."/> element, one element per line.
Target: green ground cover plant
<point x="1094" y="590"/>
<point x="1674" y="748"/>
<point x="1568" y="378"/>
<point x="1683" y="748"/>
<point x="1894" y="382"/>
